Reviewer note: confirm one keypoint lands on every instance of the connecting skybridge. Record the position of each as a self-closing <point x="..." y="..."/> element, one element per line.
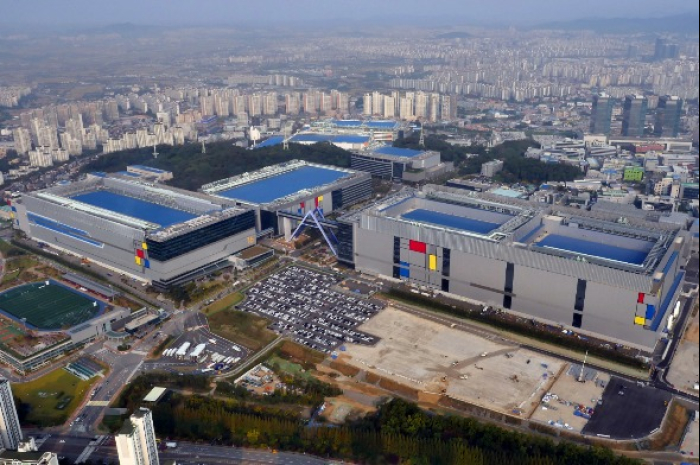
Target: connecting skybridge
<point x="315" y="219"/>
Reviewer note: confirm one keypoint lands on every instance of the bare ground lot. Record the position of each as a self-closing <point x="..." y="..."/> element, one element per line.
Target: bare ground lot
<point x="437" y="359"/>
<point x="569" y="394"/>
<point x="684" y="371"/>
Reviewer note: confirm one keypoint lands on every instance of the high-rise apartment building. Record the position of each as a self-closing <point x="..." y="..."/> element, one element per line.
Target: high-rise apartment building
<point x="10" y="431"/>
<point x="663" y="49"/>
<point x="136" y="441"/>
<point x="601" y="114"/>
<point x="668" y="116"/>
<point x="377" y="103"/>
<point x="389" y="107"/>
<point x="367" y="104"/>
<point x="292" y="103"/>
<point x="406" y="109"/>
<point x="634" y="112"/>
<point x="23" y="140"/>
<point x="420" y="105"/>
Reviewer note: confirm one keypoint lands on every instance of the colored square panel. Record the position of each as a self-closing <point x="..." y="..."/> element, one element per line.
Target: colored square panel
<point x="147" y="263"/>
<point x="417" y="246"/>
<point x="640" y="298"/>
<point x="651" y="311"/>
<point x="144" y="246"/>
<point x="432" y="262"/>
<point x="140" y="253"/>
<point x="640" y="320"/>
<point x="404" y="273"/>
<point x="137" y="260"/>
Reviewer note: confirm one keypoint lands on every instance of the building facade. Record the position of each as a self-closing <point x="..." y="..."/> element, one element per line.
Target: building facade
<point x="601" y="114"/>
<point x="564" y="266"/>
<point x="28" y="458"/>
<point x="10" y="431"/>
<point x="633" y="115"/>
<point x="280" y="195"/>
<point x="136" y="441"/>
<point x="668" y="116"/>
<point x="156" y="234"/>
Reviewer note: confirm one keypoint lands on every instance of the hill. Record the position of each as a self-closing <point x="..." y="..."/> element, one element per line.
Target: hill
<point x="679" y="24"/>
<point x="191" y="168"/>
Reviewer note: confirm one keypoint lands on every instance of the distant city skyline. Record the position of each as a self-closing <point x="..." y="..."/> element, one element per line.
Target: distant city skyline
<point x="162" y="12"/>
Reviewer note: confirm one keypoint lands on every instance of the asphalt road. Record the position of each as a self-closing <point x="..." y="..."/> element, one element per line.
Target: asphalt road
<point x="634" y="414"/>
<point x="184" y="453"/>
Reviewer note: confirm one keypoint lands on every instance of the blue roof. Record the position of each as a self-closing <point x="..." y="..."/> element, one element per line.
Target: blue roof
<point x="350" y="139"/>
<point x="126" y="173"/>
<point x="311" y="138"/>
<point x="348" y="123"/>
<point x="136" y="208"/>
<point x="450" y="221"/>
<point x="594" y="249"/>
<point x="381" y="124"/>
<point x="398" y="152"/>
<point x="274" y="140"/>
<point x="148" y="168"/>
<point x="315" y="138"/>
<point x="275" y="187"/>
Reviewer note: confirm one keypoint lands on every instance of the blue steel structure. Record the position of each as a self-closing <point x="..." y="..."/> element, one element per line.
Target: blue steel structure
<point x="316" y="215"/>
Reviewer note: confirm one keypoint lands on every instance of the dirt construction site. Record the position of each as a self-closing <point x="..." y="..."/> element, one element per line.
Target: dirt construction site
<point x="435" y="359"/>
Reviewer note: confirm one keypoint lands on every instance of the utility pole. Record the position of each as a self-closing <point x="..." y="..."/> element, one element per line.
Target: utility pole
<point x="580" y="376"/>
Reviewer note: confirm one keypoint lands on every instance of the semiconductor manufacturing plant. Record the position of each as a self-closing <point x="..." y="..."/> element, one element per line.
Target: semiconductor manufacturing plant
<point x="588" y="271"/>
<point x="582" y="270"/>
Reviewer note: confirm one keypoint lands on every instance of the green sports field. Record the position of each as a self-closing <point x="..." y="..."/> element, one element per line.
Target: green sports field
<point x="48" y="307"/>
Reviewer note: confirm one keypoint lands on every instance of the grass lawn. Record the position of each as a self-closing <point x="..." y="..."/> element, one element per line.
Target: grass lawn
<point x="227" y="302"/>
<point x="288" y="367"/>
<point x="244" y="328"/>
<point x="45" y="394"/>
<point x="16" y="266"/>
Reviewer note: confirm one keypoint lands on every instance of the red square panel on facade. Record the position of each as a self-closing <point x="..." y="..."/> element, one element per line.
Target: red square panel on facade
<point x="140" y="254"/>
<point x="417" y="246"/>
<point x="640" y="298"/>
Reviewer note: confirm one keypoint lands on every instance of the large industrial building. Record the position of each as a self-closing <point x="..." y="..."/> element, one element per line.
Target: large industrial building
<point x="282" y="194"/>
<point x="590" y="272"/>
<point x="400" y="164"/>
<point x="157" y="234"/>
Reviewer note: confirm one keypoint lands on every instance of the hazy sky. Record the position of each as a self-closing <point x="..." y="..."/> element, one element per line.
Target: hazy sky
<point x="236" y="11"/>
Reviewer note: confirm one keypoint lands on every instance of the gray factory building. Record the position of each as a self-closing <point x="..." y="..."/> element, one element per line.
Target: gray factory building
<point x="156" y="234"/>
<point x="594" y="273"/>
<point x="282" y="194"/>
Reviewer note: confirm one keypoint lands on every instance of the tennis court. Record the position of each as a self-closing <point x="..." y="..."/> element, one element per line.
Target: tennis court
<point x="49" y="306"/>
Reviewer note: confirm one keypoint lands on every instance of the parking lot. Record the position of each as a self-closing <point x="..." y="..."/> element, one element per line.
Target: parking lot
<point x="218" y="354"/>
<point x="570" y="403"/>
<point x="302" y="305"/>
<point x="628" y="410"/>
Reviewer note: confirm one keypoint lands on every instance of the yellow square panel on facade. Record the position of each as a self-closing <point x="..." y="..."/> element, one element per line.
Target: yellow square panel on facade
<point x="640" y="320"/>
<point x="320" y="198"/>
<point x="137" y="260"/>
<point x="144" y="246"/>
<point x="251" y="239"/>
<point x="432" y="262"/>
